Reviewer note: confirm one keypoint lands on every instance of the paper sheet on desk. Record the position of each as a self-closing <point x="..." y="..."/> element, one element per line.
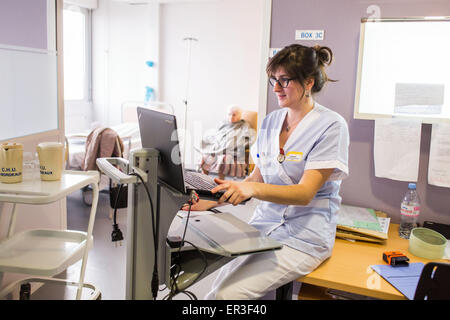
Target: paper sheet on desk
<point x="439" y="161"/>
<point x="404" y="279"/>
<point x="384" y="224"/>
<point x="358" y="217"/>
<point x="397" y="148"/>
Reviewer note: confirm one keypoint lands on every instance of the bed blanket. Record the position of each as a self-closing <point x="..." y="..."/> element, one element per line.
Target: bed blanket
<point x="224" y="151"/>
<point x="229" y="138"/>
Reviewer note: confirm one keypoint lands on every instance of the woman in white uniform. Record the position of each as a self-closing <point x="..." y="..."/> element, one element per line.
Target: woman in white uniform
<point x="301" y="156"/>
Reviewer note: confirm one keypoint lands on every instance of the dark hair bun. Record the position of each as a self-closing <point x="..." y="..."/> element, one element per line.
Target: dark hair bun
<point x="324" y="55"/>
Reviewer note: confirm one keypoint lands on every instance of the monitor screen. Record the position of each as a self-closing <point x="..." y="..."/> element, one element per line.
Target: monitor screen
<point x="159" y="131"/>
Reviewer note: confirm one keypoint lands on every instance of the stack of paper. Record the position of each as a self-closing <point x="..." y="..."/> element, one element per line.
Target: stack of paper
<point x="362" y="224"/>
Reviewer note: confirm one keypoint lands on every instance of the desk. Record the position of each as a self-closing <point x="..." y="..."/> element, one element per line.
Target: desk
<point x="348" y="268"/>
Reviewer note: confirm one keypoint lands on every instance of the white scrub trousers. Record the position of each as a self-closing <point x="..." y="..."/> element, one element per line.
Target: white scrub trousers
<point x="253" y="276"/>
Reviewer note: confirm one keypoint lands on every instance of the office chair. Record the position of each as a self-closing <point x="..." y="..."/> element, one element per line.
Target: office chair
<point x="434" y="282"/>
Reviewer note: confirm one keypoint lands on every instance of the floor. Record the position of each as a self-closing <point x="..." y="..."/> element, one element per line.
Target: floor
<point x="107" y="262"/>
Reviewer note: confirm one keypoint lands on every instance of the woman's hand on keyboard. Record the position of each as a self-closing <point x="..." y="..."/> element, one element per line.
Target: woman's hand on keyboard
<point x="199" y="205"/>
<point x="236" y="191"/>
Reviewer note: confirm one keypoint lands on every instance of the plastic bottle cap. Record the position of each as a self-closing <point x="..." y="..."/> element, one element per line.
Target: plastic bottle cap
<point x="427" y="243"/>
<point x="412" y="186"/>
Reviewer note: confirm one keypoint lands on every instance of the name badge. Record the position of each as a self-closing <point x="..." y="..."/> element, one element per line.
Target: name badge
<point x="294" y="156"/>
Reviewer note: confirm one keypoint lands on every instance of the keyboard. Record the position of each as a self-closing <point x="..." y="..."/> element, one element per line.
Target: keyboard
<point x="203" y="184"/>
<point x="199" y="181"/>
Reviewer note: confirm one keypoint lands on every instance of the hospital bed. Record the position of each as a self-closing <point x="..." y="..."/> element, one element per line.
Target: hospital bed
<point x="127" y="130"/>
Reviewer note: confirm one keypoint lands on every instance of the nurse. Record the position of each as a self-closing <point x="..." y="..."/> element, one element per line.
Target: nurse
<point x="301" y="156"/>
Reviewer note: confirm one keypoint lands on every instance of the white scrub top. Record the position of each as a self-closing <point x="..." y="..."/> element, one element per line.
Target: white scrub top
<point x="320" y="141"/>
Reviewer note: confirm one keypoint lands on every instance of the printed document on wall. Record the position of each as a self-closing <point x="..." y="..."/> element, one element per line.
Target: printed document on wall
<point x="397" y="148"/>
<point x="439" y="161"/>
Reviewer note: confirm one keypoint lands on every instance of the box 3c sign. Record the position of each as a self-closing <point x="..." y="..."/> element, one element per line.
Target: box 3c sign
<point x="309" y="34"/>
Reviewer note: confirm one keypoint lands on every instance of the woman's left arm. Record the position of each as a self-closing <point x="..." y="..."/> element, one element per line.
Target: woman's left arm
<point x="296" y="194"/>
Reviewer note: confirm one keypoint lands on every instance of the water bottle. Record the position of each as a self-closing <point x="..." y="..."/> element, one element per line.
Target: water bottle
<point x="409" y="211"/>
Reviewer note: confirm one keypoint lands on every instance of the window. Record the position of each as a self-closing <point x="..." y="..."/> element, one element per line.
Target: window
<point x="77" y="53"/>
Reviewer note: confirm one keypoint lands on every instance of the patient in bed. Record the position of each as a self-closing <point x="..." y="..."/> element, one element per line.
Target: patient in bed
<point x="224" y="151"/>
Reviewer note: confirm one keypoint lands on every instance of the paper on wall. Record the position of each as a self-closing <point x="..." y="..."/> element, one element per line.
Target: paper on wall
<point x="397" y="148"/>
<point x="439" y="161"/>
<point x="417" y="98"/>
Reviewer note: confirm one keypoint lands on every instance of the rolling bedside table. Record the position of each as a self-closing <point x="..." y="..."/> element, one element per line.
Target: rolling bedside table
<point x="45" y="253"/>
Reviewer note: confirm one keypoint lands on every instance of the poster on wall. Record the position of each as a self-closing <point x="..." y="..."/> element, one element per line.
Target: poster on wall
<point x="439" y="160"/>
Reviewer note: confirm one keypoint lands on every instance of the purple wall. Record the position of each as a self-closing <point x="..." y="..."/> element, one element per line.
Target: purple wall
<point x="341" y="22"/>
<point x="24" y="23"/>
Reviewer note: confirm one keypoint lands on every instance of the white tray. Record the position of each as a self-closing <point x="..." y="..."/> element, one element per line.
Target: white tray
<point x="34" y="191"/>
<point x="42" y="251"/>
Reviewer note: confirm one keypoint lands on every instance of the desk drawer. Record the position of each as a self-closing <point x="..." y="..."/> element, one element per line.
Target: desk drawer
<point x="312" y="292"/>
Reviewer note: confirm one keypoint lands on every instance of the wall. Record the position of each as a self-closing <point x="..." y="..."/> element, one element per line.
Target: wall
<point x="341" y="22"/>
<point x="124" y="37"/>
<point x="41" y="216"/>
<point x="224" y="64"/>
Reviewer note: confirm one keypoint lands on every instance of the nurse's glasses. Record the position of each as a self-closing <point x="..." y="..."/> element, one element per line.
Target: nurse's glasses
<point x="283" y="82"/>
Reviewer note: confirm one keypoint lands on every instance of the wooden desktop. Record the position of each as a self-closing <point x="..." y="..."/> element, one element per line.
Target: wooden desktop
<point x="348" y="268"/>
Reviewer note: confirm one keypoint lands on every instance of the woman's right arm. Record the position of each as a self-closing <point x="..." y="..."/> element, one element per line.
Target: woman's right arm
<point x="204" y="205"/>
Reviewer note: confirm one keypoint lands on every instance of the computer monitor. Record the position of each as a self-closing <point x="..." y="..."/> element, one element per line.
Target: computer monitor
<point x="159" y="131"/>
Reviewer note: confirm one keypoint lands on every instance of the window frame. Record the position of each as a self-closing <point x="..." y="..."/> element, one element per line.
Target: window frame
<point x="87" y="90"/>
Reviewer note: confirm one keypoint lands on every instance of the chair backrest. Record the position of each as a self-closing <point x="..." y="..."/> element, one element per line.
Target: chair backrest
<point x="434" y="282"/>
<point x="251" y="117"/>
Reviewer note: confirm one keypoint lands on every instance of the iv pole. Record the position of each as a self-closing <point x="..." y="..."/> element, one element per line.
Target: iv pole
<point x="185" y="101"/>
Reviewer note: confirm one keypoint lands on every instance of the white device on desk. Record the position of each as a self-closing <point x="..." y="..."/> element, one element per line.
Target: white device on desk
<point x="230" y="236"/>
<point x="212" y="234"/>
